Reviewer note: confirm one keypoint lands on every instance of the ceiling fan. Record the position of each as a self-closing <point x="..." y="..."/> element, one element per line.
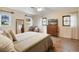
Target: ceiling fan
<point x="39" y="9"/>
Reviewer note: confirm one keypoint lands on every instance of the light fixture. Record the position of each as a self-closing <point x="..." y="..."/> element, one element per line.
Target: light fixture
<point x="39" y="9"/>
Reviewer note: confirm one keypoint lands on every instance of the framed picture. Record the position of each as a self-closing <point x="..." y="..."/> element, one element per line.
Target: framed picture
<point x="66" y="20"/>
<point x="44" y="21"/>
<point x="5" y="19"/>
<point x="29" y="21"/>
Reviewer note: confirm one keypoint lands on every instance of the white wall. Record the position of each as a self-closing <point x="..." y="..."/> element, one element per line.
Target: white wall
<point x="63" y="31"/>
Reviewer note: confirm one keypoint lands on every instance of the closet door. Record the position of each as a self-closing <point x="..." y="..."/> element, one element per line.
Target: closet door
<point x="19" y="26"/>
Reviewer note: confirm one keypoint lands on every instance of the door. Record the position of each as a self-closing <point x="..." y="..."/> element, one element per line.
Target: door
<point x="19" y="26"/>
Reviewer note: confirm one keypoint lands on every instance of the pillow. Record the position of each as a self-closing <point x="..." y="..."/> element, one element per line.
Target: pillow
<point x="36" y="29"/>
<point x="6" y="45"/>
<point x="1" y="31"/>
<point x="13" y="35"/>
<point x="7" y="34"/>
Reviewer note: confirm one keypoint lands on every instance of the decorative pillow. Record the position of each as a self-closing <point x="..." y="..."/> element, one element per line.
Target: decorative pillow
<point x="1" y="31"/>
<point x="6" y="45"/>
<point x="7" y="33"/>
<point x="13" y="35"/>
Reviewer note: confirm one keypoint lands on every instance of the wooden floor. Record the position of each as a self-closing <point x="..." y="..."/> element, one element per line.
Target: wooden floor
<point x="65" y="45"/>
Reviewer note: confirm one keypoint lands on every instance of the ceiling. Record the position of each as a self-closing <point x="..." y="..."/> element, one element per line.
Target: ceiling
<point x="33" y="10"/>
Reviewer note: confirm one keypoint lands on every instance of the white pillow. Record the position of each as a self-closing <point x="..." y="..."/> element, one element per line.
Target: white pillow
<point x="6" y="45"/>
<point x="7" y="34"/>
<point x="13" y="35"/>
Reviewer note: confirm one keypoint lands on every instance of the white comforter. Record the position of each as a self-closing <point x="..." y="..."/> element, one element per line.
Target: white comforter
<point x="27" y="35"/>
<point x="31" y="39"/>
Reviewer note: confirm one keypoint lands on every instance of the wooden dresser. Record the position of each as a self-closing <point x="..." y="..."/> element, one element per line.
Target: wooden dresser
<point x="52" y="27"/>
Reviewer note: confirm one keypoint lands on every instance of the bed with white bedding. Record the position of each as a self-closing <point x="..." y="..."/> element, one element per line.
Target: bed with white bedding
<point x="33" y="42"/>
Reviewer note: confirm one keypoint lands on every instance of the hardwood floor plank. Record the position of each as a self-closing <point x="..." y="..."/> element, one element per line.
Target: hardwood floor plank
<point x="65" y="45"/>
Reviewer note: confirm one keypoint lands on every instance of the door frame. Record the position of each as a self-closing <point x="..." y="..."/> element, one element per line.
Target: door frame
<point x="16" y="23"/>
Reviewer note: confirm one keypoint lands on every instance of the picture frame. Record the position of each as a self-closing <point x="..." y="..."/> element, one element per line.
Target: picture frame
<point x="5" y="20"/>
<point x="29" y="21"/>
<point x="44" y="21"/>
<point x="66" y="20"/>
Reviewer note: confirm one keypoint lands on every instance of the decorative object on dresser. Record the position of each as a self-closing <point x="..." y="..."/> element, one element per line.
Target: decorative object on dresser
<point x="52" y="27"/>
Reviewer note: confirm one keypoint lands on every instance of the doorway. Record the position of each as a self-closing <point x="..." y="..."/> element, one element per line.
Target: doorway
<point x="19" y="26"/>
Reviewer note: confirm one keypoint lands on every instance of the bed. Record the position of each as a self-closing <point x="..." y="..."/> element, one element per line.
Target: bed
<point x="33" y="42"/>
